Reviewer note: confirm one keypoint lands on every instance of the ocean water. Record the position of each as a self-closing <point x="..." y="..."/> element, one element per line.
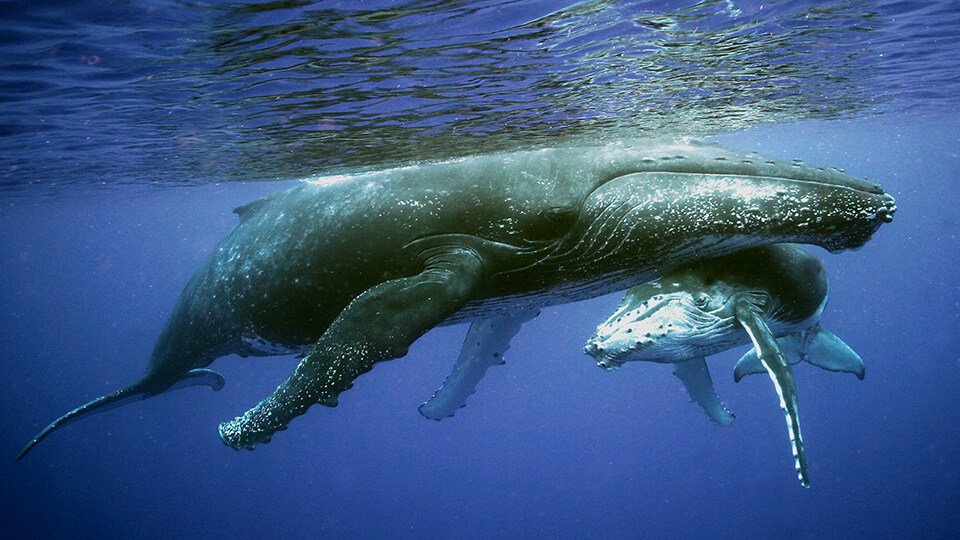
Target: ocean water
<point x="130" y="130"/>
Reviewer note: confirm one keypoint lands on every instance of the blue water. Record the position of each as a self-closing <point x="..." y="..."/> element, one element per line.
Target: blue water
<point x="130" y="130"/>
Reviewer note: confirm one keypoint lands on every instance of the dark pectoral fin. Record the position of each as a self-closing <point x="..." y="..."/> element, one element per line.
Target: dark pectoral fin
<point x="780" y="372"/>
<point x="486" y="342"/>
<point x="696" y="379"/>
<point x="378" y="325"/>
<point x="749" y="364"/>
<point x="825" y="350"/>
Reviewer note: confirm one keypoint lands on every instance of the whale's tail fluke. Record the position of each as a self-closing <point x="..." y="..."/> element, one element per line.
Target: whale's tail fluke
<point x="142" y="389"/>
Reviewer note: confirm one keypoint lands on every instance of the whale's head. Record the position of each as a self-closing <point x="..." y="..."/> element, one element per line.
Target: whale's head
<point x="675" y="204"/>
<point x="670" y="321"/>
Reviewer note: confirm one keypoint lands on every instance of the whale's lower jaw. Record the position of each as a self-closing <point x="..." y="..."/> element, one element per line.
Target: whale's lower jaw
<point x="855" y="237"/>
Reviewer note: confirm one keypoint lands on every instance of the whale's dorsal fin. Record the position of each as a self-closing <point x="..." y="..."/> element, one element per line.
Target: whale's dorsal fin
<point x="750" y="315"/>
<point x="483" y="347"/>
<point x="816" y="346"/>
<point x="247" y="210"/>
<point x="696" y="379"/>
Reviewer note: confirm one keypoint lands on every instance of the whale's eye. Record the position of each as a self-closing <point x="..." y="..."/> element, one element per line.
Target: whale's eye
<point x="702" y="301"/>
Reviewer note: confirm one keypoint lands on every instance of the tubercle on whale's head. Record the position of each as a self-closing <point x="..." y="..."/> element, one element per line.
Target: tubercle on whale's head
<point x="846" y="218"/>
<point x="876" y="212"/>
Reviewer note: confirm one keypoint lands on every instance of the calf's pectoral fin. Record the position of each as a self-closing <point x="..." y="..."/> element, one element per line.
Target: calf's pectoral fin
<point x="814" y="345"/>
<point x="378" y="325"/>
<point x="483" y="347"/>
<point x="776" y="365"/>
<point x="696" y="379"/>
<point x="825" y="350"/>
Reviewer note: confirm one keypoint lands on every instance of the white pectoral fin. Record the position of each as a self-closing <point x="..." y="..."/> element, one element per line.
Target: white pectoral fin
<point x="827" y="351"/>
<point x="696" y="379"/>
<point x="749" y="363"/>
<point x="486" y="342"/>
<point x="781" y="374"/>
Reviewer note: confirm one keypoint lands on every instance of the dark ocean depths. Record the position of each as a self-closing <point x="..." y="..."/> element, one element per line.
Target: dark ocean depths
<point x="130" y="130"/>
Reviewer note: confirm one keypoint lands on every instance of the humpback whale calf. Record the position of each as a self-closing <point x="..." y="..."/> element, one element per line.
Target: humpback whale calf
<point x="752" y="296"/>
<point x="351" y="270"/>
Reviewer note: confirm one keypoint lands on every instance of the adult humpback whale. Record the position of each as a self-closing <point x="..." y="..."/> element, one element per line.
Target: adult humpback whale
<point x="353" y="269"/>
<point x="708" y="306"/>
